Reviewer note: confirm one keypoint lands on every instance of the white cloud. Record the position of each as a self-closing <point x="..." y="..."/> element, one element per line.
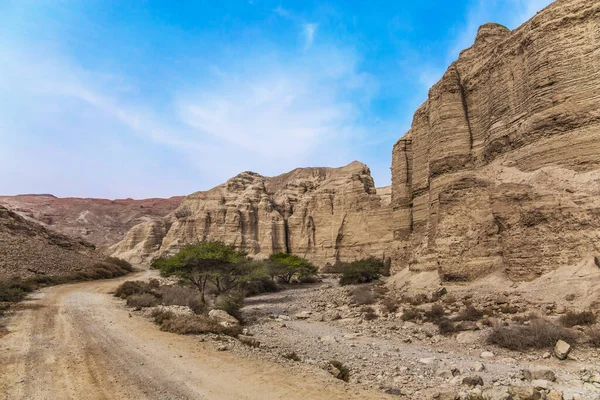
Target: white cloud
<point x="270" y="118"/>
<point x="309" y="30"/>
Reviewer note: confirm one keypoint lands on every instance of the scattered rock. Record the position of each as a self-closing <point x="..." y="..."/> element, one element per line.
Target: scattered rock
<point x="222" y="347"/>
<point x="554" y="395"/>
<point x="474" y="380"/>
<point x="562" y="349"/>
<point x="223" y="318"/>
<point x="487" y="354"/>
<point x="303" y="315"/>
<point x="540" y="384"/>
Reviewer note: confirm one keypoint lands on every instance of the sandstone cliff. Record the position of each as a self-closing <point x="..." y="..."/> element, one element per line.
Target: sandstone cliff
<point x="28" y="249"/>
<point x="500" y="170"/>
<point x="99" y="221"/>
<point x="323" y="214"/>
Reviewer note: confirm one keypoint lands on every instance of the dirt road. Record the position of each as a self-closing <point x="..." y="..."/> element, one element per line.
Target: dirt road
<point x="78" y="342"/>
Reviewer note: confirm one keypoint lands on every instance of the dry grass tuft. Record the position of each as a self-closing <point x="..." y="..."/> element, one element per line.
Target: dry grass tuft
<point x="539" y="334"/>
<point x="571" y="319"/>
<point x="192" y="324"/>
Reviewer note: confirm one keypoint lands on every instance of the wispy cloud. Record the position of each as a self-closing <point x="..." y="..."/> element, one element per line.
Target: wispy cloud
<point x="309" y="30"/>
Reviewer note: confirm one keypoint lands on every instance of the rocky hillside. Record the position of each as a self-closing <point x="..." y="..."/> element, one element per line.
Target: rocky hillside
<point x="499" y="172"/>
<point x="501" y="168"/>
<point x="99" y="221"/>
<point x="28" y="249"/>
<point x="324" y="214"/>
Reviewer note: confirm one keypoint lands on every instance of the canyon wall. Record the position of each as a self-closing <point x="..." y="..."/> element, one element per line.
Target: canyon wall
<point x="323" y="214"/>
<point x="499" y="170"/>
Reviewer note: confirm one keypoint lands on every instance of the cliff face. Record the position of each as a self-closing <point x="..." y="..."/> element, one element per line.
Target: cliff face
<point x="99" y="221"/>
<point x="500" y="170"/>
<point x="28" y="248"/>
<point x="323" y="214"/>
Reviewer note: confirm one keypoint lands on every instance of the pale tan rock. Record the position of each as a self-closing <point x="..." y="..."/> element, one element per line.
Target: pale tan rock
<point x="505" y="153"/>
<point x="323" y="214"/>
<point x="562" y="349"/>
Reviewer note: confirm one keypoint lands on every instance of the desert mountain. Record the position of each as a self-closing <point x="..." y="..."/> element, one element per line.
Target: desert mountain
<point x="99" y="221"/>
<point x="324" y="214"/>
<point x="28" y="248"/>
<point x="499" y="172"/>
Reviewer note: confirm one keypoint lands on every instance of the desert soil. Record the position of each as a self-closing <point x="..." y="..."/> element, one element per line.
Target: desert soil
<point x="78" y="342"/>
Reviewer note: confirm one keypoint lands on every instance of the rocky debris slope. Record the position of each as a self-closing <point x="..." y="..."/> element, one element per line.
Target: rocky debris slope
<point x="99" y="221"/>
<point x="323" y="214"/>
<point x="323" y="322"/>
<point x="28" y="249"/>
<point x="500" y="170"/>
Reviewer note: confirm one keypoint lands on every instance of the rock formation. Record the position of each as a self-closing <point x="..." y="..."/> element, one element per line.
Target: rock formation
<point x="323" y="214"/>
<point x="28" y="249"/>
<point x="99" y="221"/>
<point x="500" y="170"/>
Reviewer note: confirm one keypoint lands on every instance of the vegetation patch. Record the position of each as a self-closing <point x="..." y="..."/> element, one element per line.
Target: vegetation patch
<point x="571" y="319"/>
<point x="361" y="271"/>
<point x="344" y="371"/>
<point x="192" y="324"/>
<point x="540" y="333"/>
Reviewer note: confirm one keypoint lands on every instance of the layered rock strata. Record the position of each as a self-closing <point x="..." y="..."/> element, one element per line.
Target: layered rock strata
<point x="499" y="170"/>
<point x="323" y="214"/>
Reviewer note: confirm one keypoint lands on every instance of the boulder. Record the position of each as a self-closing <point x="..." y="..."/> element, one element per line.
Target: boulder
<point x="473" y="380"/>
<point x="223" y="318"/>
<point x="562" y="349"/>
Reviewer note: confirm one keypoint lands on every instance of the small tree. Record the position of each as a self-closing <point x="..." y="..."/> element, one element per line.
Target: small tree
<point x="286" y="266"/>
<point x="202" y="262"/>
<point x="361" y="271"/>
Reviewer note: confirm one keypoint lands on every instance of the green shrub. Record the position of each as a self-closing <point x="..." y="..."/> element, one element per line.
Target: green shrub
<point x="286" y="266"/>
<point x="361" y="271"/>
<point x="260" y="285"/>
<point x="540" y="333"/>
<point x="571" y="319"/>
<point x="11" y="294"/>
<point x="231" y="305"/>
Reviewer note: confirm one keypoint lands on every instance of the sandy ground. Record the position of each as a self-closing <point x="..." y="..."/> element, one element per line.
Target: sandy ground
<point x="78" y="342"/>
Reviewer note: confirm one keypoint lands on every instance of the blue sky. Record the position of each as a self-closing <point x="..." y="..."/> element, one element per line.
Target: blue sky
<point x="159" y="98"/>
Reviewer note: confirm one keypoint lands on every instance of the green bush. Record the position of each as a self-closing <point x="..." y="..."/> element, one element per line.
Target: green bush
<point x="361" y="271"/>
<point x="231" y="305"/>
<point x="286" y="266"/>
<point x="130" y="288"/>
